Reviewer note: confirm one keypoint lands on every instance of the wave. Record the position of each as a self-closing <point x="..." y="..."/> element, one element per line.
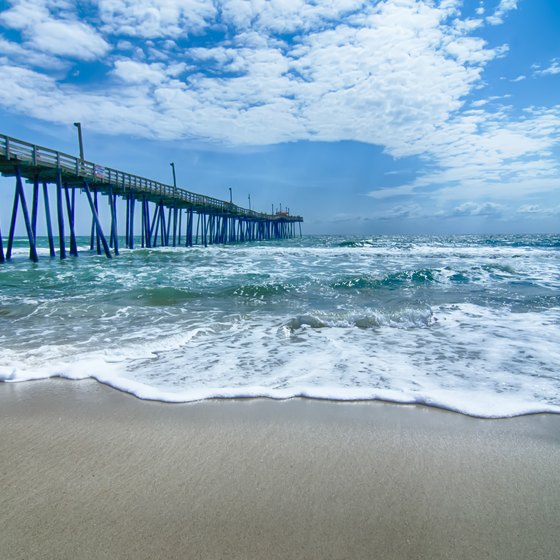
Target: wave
<point x="357" y="244"/>
<point x="260" y="291"/>
<point x="470" y="403"/>
<point x="162" y="296"/>
<point x="408" y="317"/>
<point x="394" y="280"/>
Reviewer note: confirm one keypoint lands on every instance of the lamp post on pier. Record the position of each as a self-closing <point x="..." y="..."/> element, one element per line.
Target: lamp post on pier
<point x="81" y="143"/>
<point x="174" y="177"/>
<point x="249" y="197"/>
<point x="230" y="196"/>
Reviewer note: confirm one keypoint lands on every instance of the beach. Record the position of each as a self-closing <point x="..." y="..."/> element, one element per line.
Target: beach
<point x="89" y="472"/>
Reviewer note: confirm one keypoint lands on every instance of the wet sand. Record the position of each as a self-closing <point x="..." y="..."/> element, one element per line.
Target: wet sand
<point x="88" y="472"/>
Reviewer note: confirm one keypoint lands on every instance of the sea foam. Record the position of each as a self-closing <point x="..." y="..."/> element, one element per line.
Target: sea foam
<point x="452" y="323"/>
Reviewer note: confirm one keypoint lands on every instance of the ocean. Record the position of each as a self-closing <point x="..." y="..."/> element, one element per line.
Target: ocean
<point x="465" y="323"/>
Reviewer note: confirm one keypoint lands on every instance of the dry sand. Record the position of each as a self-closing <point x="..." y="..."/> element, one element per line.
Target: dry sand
<point x="87" y="472"/>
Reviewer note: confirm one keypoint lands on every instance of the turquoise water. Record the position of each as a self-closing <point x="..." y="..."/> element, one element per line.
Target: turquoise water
<point x="466" y="323"/>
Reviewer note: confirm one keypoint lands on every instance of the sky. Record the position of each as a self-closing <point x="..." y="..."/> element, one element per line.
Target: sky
<point x="366" y="117"/>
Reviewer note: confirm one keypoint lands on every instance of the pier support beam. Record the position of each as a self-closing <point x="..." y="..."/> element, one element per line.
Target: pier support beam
<point x="19" y="196"/>
<point x="175" y="226"/>
<point x="99" y="230"/>
<point x="2" y="258"/>
<point x="35" y="207"/>
<point x="114" y="228"/>
<point x="12" y="231"/>
<point x="127" y="224"/>
<point x="131" y="222"/>
<point x="70" y="206"/>
<point x="155" y="225"/>
<point x="60" y="214"/>
<point x="48" y="220"/>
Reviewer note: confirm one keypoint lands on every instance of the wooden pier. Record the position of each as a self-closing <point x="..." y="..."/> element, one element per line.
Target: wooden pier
<point x="169" y="216"/>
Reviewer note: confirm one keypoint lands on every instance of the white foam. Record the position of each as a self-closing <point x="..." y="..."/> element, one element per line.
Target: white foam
<point x="447" y="364"/>
<point x="243" y="338"/>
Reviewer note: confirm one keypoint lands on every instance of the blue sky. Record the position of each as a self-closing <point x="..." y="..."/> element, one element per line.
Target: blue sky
<point x="366" y="117"/>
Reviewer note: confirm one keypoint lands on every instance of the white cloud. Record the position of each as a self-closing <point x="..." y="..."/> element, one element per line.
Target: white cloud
<point x="138" y="72"/>
<point x="503" y="8"/>
<point x="389" y="74"/>
<point x="536" y="210"/>
<point x="155" y="18"/>
<point x="551" y="70"/>
<point x="51" y="27"/>
<point x="395" y="73"/>
<point x="68" y="38"/>
<point x="390" y="192"/>
<point x="16" y="53"/>
<point x="490" y="209"/>
<point x="25" y="14"/>
<point x="287" y="16"/>
<point x="403" y="212"/>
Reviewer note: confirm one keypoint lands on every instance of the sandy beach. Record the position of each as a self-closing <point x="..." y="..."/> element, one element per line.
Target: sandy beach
<point x="89" y="472"/>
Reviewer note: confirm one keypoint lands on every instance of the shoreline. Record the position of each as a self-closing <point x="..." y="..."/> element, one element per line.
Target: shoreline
<point x="91" y="472"/>
<point x="147" y="393"/>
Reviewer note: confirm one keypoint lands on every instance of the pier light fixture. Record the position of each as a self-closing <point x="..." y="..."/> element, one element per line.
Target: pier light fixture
<point x="80" y="141"/>
<point x="172" y="164"/>
<point x="249" y="197"/>
<point x="230" y="196"/>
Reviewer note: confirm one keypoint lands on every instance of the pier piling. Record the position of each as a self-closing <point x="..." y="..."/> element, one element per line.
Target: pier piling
<point x="217" y="221"/>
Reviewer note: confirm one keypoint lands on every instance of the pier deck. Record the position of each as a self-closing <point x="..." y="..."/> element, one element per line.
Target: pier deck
<point x="218" y="221"/>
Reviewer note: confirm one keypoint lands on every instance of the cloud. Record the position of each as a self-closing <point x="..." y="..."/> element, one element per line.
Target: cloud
<point x="387" y="73"/>
<point x="489" y="209"/>
<point x="287" y="16"/>
<point x="402" y="212"/>
<point x="503" y="7"/>
<point x="68" y="38"/>
<point x="16" y="53"/>
<point x="396" y="73"/>
<point x="156" y="18"/>
<point x="390" y="192"/>
<point x="551" y="70"/>
<point x="536" y="210"/>
<point x="139" y="72"/>
<point x="51" y="27"/>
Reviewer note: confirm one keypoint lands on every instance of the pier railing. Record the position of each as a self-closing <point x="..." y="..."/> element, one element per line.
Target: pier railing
<point x="14" y="151"/>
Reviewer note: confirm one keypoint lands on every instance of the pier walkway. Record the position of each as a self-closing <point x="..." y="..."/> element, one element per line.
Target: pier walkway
<point x="168" y="215"/>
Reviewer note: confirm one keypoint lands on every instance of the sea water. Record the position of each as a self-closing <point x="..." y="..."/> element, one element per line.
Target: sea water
<point x="467" y="323"/>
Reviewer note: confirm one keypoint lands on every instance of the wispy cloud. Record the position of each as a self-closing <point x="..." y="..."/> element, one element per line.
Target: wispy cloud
<point x="536" y="210"/>
<point x="400" y="212"/>
<point x="503" y="8"/>
<point x="551" y="70"/>
<point x="477" y="209"/>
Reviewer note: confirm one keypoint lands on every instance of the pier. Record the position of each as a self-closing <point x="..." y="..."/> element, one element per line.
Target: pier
<point x="169" y="216"/>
